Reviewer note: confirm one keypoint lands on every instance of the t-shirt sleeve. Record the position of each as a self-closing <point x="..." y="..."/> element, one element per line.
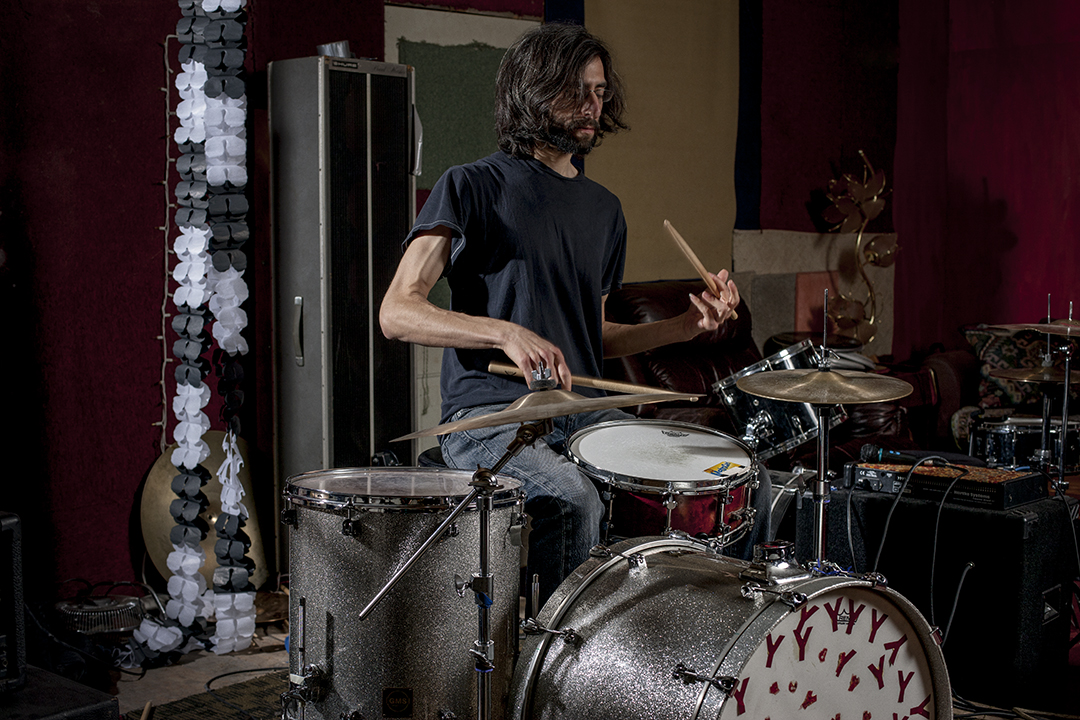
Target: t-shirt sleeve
<point x="449" y="205"/>
<point x="616" y="260"/>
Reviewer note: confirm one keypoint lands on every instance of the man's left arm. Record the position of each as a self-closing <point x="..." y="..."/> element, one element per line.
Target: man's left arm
<point x="704" y="314"/>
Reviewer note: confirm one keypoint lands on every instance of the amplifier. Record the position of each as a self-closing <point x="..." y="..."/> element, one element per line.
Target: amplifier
<point x="978" y="487"/>
<point x="1008" y="640"/>
<point x="12" y="611"/>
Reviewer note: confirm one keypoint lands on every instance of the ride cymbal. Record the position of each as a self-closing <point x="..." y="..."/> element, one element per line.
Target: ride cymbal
<point x="1065" y="328"/>
<point x="546" y="404"/>
<point x="824" y="387"/>
<point x="1035" y="375"/>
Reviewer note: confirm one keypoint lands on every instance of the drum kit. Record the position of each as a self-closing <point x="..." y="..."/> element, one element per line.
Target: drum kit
<point x="659" y="624"/>
<point x="1047" y="444"/>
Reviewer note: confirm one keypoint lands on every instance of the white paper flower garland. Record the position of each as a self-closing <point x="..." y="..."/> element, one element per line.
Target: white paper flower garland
<point x="209" y="276"/>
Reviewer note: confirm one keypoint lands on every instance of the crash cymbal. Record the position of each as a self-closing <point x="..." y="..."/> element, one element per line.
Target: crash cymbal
<point x="1035" y="375"/>
<point x="547" y="404"/>
<point x="824" y="387"/>
<point x="1066" y="328"/>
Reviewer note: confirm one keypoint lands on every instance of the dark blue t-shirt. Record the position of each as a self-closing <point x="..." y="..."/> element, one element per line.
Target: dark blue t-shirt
<point x="532" y="247"/>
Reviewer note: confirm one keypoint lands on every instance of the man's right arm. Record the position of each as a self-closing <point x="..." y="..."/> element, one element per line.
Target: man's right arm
<point x="406" y="313"/>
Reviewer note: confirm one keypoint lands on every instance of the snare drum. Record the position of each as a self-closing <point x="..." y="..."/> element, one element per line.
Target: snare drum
<point x="771" y="427"/>
<point x="1014" y="443"/>
<point x="659" y="475"/>
<point x="350" y="531"/>
<point x="660" y="628"/>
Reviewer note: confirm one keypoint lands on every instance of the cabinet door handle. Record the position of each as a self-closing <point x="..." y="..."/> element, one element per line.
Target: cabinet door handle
<point x="298" y="330"/>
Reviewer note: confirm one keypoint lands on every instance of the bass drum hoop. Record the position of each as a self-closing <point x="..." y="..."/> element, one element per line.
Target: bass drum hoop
<point x="318" y="498"/>
<point x="657" y="486"/>
<point x="734" y="655"/>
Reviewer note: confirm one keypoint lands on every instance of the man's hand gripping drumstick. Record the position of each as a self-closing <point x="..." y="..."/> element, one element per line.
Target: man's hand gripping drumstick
<point x="724" y="294"/>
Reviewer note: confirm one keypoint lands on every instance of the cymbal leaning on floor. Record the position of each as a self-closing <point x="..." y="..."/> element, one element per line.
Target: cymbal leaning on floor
<point x="824" y="387"/>
<point x="1035" y="375"/>
<point x="544" y="404"/>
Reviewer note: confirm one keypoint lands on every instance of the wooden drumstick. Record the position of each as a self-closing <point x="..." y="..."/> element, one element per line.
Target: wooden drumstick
<point x="501" y="368"/>
<point x="697" y="264"/>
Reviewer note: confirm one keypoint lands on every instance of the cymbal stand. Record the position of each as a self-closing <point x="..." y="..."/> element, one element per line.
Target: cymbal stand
<point x="821" y="481"/>
<point x="1043" y="457"/>
<point x="1062" y="485"/>
<point x="482" y="584"/>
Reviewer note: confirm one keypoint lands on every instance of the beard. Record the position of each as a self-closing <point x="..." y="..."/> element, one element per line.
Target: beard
<point x="562" y="137"/>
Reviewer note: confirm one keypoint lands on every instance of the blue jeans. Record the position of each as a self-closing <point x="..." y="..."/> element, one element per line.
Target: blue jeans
<point x="561" y="501"/>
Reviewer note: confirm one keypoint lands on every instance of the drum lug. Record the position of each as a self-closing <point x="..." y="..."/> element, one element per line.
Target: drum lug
<point x="725" y="683"/>
<point x="352" y="715"/>
<point x="289" y="517"/>
<point x="351" y="527"/>
<point x="518" y="529"/>
<point x="529" y="626"/>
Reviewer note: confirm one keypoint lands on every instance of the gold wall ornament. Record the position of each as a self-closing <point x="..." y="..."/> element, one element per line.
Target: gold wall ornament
<point x="854" y="205"/>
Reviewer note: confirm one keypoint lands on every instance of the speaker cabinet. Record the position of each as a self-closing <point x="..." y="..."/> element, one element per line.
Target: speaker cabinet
<point x="343" y="199"/>
<point x="1010" y="630"/>
<point x="12" y="613"/>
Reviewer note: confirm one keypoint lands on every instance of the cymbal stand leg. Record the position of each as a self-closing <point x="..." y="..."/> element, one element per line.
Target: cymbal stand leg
<point x="821" y="483"/>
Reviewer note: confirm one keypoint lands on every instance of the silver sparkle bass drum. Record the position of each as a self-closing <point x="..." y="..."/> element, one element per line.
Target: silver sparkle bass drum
<point x="661" y="628"/>
<point x="350" y="531"/>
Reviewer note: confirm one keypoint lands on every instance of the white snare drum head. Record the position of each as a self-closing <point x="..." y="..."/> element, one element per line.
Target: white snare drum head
<point x="660" y="450"/>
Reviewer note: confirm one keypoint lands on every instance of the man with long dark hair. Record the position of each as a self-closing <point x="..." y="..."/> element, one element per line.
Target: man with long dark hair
<point x="531" y="249"/>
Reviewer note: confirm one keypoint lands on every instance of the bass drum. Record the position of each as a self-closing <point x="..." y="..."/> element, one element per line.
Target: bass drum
<point x="660" y="628"/>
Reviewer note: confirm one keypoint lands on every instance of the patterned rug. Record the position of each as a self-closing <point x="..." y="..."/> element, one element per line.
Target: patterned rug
<point x="255" y="699"/>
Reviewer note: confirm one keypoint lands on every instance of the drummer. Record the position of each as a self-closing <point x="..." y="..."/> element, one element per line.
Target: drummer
<point x="532" y="248"/>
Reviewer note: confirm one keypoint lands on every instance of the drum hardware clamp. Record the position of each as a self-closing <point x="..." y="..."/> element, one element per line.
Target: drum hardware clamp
<point x="312" y="686"/>
<point x="636" y="560"/>
<point x="725" y="683"/>
<point x="792" y="599"/>
<point x="711" y="544"/>
<point x="570" y="636"/>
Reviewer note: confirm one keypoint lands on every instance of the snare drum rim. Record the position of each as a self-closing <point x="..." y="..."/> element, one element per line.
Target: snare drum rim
<point x="320" y="499"/>
<point x="653" y="486"/>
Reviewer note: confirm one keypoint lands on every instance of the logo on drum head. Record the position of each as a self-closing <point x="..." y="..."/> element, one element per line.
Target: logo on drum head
<point x="397" y="702"/>
<point x="675" y="433"/>
<point x="723" y="468"/>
